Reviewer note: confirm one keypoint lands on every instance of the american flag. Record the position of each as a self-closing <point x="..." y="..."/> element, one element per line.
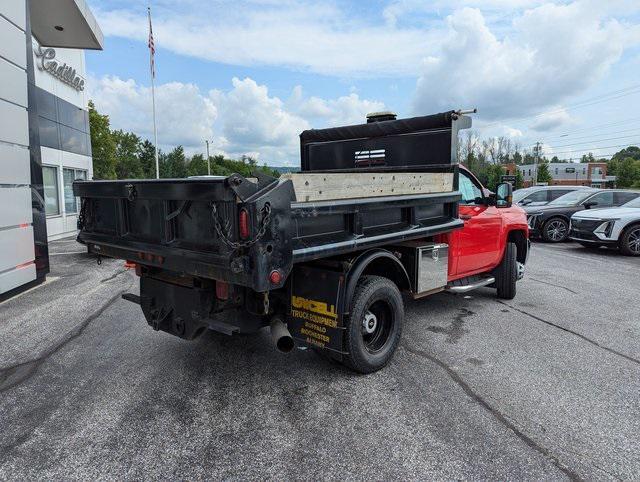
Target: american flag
<point x="152" y="47"/>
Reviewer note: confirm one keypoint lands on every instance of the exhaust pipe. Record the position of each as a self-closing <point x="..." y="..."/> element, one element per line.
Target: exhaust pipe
<point x="281" y="336"/>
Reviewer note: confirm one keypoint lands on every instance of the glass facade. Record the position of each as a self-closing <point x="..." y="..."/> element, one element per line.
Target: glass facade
<point x="51" y="193"/>
<point x="62" y="125"/>
<point x="68" y="176"/>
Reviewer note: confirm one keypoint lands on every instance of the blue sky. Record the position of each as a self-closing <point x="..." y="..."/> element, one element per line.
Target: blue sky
<point x="250" y="76"/>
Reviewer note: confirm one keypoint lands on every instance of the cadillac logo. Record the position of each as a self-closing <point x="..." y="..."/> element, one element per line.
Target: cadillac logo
<point x="62" y="72"/>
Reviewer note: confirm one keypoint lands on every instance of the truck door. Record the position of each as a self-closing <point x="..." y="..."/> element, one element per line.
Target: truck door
<point x="477" y="246"/>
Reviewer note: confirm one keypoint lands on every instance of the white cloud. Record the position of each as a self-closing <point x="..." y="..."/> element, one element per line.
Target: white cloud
<point x="347" y="109"/>
<point x="184" y="115"/>
<point x="252" y="121"/>
<point x="551" y="121"/>
<point x="242" y="120"/>
<point x="307" y="36"/>
<point x="554" y="52"/>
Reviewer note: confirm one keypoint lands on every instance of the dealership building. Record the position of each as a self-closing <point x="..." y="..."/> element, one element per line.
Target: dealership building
<point x="44" y="130"/>
<point x="592" y="174"/>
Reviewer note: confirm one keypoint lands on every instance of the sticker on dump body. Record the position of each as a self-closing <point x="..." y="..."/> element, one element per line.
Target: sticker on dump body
<point x="316" y="307"/>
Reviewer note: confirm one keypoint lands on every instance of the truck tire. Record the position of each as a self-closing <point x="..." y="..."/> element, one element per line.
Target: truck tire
<point x="506" y="273"/>
<point x="374" y="325"/>
<point x="630" y="241"/>
<point x="555" y="230"/>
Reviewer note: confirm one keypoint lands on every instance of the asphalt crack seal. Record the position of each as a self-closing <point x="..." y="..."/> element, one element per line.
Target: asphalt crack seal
<point x="589" y="340"/>
<point x="495" y="413"/>
<point x="16" y="374"/>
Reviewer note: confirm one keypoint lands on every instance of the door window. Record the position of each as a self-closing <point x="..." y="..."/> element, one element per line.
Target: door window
<point x="471" y="194"/>
<point x="556" y="193"/>
<point x="625" y="197"/>
<point x="604" y="199"/>
<point x="538" y="196"/>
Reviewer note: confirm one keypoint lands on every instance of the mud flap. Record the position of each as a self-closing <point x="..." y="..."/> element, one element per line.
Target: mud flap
<point x="317" y="309"/>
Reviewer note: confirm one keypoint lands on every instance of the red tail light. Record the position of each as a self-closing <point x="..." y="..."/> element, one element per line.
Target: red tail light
<point x="222" y="290"/>
<point x="243" y="223"/>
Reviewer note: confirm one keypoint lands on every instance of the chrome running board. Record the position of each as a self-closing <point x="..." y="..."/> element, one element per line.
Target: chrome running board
<point x="471" y="286"/>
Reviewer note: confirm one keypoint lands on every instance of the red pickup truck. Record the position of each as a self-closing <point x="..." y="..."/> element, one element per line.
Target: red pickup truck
<point x="321" y="256"/>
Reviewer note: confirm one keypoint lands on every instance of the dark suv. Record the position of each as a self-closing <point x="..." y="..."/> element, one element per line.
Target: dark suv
<point x="541" y="195"/>
<point x="551" y="222"/>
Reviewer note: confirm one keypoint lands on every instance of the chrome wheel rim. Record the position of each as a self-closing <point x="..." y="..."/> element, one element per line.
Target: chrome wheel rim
<point x="556" y="230"/>
<point x="634" y="241"/>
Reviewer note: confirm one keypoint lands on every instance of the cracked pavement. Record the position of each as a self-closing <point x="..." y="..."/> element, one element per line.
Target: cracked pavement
<point x="546" y="386"/>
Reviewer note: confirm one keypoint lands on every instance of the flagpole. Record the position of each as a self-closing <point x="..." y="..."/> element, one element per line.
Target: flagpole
<point x="153" y="95"/>
<point x="155" y="132"/>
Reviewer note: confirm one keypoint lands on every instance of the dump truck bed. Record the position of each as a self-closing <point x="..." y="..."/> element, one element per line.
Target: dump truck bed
<point x="172" y="224"/>
<point x="362" y="186"/>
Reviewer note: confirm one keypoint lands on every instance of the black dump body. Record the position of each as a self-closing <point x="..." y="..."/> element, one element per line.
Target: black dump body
<point x="191" y="226"/>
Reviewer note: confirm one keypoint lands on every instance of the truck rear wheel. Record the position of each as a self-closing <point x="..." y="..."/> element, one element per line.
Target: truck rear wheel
<point x="375" y="324"/>
<point x="506" y="273"/>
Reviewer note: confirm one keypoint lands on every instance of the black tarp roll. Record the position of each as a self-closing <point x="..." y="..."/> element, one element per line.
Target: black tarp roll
<point x="378" y="129"/>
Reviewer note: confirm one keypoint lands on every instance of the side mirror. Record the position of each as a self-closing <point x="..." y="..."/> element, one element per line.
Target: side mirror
<point x="590" y="204"/>
<point x="504" y="195"/>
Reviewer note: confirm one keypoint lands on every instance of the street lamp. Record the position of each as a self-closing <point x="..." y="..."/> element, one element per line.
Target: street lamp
<point x="208" y="159"/>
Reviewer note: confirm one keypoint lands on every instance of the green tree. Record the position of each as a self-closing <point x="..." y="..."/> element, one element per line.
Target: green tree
<point x="588" y="158"/>
<point x="632" y="151"/>
<point x="519" y="180"/>
<point x="197" y="166"/>
<point x="628" y="172"/>
<point x="103" y="146"/>
<point x="176" y="163"/>
<point x="147" y="157"/>
<point x="543" y="173"/>
<point x="127" y="149"/>
<point x="494" y="173"/>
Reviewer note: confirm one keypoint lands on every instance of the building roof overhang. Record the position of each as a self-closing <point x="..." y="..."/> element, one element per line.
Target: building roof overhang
<point x="65" y="24"/>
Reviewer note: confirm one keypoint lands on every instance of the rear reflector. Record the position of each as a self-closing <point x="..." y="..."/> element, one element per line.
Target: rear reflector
<point x="222" y="290"/>
<point x="243" y="223"/>
<point x="275" y="276"/>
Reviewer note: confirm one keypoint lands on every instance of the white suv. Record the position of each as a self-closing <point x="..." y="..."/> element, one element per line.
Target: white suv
<point x="618" y="227"/>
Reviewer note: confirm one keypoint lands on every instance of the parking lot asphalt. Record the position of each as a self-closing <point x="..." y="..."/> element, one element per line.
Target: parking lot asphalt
<point x="545" y="386"/>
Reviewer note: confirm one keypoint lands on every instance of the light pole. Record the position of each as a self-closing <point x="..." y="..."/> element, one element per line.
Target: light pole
<point x="208" y="159"/>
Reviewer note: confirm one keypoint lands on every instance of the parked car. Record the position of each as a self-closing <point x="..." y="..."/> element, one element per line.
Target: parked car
<point x="551" y="222"/>
<point x="541" y="195"/>
<point x="615" y="227"/>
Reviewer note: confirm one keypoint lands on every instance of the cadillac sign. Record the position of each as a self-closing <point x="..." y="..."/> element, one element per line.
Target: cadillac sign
<point x="62" y="72"/>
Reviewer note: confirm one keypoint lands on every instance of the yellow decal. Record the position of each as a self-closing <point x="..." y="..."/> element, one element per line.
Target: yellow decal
<point x="318" y="307"/>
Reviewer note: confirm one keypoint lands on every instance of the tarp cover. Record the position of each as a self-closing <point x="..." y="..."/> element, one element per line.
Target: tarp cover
<point x="379" y="129"/>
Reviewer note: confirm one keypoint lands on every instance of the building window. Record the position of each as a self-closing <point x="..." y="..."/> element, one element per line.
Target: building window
<point x="51" y="192"/>
<point x="529" y="171"/>
<point x="63" y="126"/>
<point x="70" y="201"/>
<point x="556" y="171"/>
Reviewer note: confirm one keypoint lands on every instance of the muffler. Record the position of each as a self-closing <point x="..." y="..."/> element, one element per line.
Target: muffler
<point x="281" y="336"/>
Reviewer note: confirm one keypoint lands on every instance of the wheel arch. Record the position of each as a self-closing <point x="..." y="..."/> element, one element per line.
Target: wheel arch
<point x="379" y="262"/>
<point x="519" y="238"/>
<point x="633" y="224"/>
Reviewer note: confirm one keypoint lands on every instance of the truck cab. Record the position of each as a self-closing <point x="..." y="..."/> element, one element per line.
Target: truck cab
<point x="488" y="227"/>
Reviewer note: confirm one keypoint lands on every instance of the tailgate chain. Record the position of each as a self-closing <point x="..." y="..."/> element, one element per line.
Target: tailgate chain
<point x="223" y="232"/>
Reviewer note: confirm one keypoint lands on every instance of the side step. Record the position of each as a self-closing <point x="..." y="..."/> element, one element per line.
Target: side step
<point x="469" y="284"/>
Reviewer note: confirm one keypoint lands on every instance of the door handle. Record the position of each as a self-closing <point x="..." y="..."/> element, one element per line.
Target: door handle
<point x="465" y="217"/>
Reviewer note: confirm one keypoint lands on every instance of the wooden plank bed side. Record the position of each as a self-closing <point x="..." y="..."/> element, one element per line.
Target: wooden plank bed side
<point x="332" y="186"/>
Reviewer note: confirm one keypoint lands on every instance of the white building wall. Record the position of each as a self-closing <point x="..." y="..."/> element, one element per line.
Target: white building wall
<point x="63" y="224"/>
<point x="16" y="231"/>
